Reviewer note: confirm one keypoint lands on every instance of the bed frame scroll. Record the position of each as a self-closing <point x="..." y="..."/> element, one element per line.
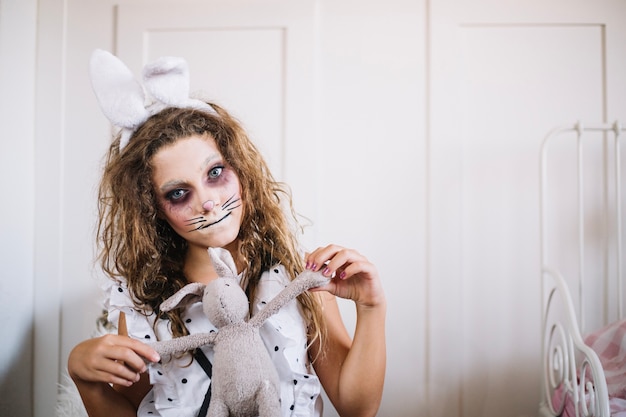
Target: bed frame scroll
<point x="572" y="374"/>
<point x="572" y="370"/>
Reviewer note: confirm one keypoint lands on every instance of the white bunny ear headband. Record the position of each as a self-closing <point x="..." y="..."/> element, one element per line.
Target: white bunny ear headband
<point x="122" y="98"/>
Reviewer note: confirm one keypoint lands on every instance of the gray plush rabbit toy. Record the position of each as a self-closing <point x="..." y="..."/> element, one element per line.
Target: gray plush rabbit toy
<point x="244" y="381"/>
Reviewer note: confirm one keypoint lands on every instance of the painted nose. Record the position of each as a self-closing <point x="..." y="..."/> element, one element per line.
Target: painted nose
<point x="209" y="205"/>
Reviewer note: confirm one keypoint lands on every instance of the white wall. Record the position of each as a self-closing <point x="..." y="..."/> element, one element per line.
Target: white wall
<point x="372" y="128"/>
<point x="17" y="170"/>
<point x="404" y="95"/>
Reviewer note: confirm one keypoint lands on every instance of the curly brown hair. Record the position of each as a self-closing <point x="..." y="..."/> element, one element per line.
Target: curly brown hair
<point x="139" y="245"/>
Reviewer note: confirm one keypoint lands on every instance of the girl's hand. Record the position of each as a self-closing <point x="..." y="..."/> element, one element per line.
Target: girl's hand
<point x="112" y="359"/>
<point x="353" y="276"/>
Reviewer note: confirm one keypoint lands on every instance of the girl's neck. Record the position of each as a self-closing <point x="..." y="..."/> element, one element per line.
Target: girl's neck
<point x="198" y="266"/>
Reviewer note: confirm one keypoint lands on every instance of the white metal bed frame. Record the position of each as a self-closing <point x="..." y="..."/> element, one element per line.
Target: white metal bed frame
<point x="568" y="364"/>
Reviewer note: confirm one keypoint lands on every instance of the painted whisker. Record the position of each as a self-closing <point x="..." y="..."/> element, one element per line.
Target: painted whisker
<point x="195" y="220"/>
<point x="204" y="226"/>
<point x="231" y="200"/>
<point x="199" y="223"/>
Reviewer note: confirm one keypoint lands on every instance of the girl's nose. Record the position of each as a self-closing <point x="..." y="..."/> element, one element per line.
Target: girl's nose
<point x="208" y="205"/>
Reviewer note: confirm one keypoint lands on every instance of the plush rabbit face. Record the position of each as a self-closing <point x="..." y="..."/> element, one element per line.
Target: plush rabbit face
<point x="225" y="302"/>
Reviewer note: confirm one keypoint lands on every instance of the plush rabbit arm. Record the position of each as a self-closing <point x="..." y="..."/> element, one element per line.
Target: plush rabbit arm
<point x="189" y="294"/>
<point x="184" y="343"/>
<point x="225" y="267"/>
<point x="304" y="281"/>
<point x="192" y="292"/>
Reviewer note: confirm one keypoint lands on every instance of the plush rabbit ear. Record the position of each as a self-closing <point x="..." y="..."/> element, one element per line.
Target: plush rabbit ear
<point x="119" y="94"/>
<point x="189" y="294"/>
<point x="223" y="263"/>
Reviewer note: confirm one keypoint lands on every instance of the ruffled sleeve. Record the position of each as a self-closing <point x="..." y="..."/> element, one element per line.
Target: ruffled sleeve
<point x="138" y="323"/>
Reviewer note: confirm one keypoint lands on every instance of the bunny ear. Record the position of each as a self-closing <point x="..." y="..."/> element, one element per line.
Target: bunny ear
<point x="223" y="263"/>
<point x="190" y="293"/>
<point x="167" y="80"/>
<point x="119" y="94"/>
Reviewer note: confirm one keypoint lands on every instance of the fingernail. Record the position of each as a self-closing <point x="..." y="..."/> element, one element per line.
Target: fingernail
<point x="308" y="265"/>
<point x="342" y="275"/>
<point x="326" y="272"/>
<point x="314" y="267"/>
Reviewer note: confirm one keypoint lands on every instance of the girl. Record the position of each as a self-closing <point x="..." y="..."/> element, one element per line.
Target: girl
<point x="182" y="177"/>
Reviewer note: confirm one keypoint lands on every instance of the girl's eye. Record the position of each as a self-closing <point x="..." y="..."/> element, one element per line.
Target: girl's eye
<point x="175" y="195"/>
<point x="215" y="172"/>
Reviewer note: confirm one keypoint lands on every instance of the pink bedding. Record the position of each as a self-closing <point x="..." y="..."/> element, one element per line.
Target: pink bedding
<point x="609" y="343"/>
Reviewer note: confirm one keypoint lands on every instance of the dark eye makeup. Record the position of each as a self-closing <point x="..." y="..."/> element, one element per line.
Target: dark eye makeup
<point x="215" y="172"/>
<point x="179" y="195"/>
<point x="176" y="195"/>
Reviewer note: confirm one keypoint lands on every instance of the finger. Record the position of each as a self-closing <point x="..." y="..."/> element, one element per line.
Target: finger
<point x="144" y="350"/>
<point x="132" y="353"/>
<point x="122" y="355"/>
<point x="124" y="362"/>
<point x="312" y="261"/>
<point x="123" y="382"/>
<point x="362" y="267"/>
<point x="319" y="258"/>
<point x="330" y="287"/>
<point x="101" y="368"/>
<point x="136" y="346"/>
<point x="342" y="263"/>
<point x="118" y="373"/>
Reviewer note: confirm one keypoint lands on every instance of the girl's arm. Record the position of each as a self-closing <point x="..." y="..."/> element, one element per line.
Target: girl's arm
<point x="352" y="371"/>
<point x="109" y="372"/>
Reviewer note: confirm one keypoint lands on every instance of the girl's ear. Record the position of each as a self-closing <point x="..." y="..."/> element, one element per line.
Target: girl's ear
<point x="189" y="294"/>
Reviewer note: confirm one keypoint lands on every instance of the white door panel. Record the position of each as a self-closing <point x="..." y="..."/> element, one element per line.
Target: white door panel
<point x="502" y="75"/>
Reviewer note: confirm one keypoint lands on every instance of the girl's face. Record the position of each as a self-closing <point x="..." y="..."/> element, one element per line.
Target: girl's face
<point x="198" y="194"/>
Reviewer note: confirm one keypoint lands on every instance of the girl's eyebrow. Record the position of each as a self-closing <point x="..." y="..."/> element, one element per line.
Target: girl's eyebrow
<point x="171" y="184"/>
<point x="210" y="160"/>
<point x="178" y="183"/>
